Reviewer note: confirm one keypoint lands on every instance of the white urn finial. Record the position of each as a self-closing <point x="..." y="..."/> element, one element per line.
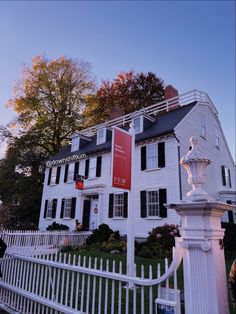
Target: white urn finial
<point x="195" y="164"/>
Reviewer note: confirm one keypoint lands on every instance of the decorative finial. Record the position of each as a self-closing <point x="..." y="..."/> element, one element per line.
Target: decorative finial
<point x="195" y="164"/>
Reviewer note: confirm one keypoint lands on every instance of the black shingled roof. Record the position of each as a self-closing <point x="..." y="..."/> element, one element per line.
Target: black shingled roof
<point x="165" y="123"/>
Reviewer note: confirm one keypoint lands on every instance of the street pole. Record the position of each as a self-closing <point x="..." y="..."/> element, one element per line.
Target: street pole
<point x="131" y="214"/>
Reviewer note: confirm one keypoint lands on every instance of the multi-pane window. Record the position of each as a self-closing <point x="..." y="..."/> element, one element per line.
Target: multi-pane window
<point x="226" y="179"/>
<point x="118" y="205"/>
<point x="49" y="209"/>
<point x="217" y="137"/>
<point x="137" y="124"/>
<point x="152" y="156"/>
<point x="53" y="175"/>
<point x="203" y="125"/>
<point x="92" y="167"/>
<point x="152" y="203"/>
<point x="75" y="144"/>
<point x="70" y="175"/>
<point x="101" y="136"/>
<point x="67" y="207"/>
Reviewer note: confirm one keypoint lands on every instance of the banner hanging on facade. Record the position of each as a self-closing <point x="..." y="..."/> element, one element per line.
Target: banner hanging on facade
<point x="121" y="159"/>
<point x="79" y="183"/>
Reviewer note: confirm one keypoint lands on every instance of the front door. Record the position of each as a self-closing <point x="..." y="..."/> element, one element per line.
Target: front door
<point x="86" y="214"/>
<point x="94" y="213"/>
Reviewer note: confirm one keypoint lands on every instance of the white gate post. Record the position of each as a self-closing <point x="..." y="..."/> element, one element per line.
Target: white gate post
<point x="205" y="287"/>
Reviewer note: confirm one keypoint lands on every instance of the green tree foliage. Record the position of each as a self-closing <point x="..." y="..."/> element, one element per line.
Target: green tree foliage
<point x="50" y="98"/>
<point x="129" y="90"/>
<point x="49" y="101"/>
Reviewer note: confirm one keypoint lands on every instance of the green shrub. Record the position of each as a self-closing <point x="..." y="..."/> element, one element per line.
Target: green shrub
<point x="113" y="244"/>
<point x="101" y="234"/>
<point x="159" y="243"/>
<point x="56" y="226"/>
<point x="230" y="236"/>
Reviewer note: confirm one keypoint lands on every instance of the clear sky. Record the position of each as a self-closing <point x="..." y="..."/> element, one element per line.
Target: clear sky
<point x="189" y="44"/>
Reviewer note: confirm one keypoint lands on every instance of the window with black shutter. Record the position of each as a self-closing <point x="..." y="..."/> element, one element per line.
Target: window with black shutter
<point x="153" y="156"/>
<point x="73" y="206"/>
<point x="54" y="208"/>
<point x="143" y="204"/>
<point x="161" y="154"/>
<point x="58" y="175"/>
<point x="226" y="177"/>
<point x="111" y="203"/>
<point x="66" y="172"/>
<point x="143" y="158"/>
<point x="62" y="208"/>
<point x="76" y="170"/>
<point x="45" y="209"/>
<point x="125" y="213"/>
<point x="86" y="173"/>
<point x="99" y="166"/>
<point x="223" y="175"/>
<point x="49" y="176"/>
<point x="162" y="200"/>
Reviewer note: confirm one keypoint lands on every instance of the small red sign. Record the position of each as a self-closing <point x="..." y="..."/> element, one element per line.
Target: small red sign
<point x="121" y="152"/>
<point x="79" y="184"/>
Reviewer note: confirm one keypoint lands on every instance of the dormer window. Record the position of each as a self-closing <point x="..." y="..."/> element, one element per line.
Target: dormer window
<point x="75" y="144"/>
<point x="101" y="136"/>
<point x="138" y="124"/>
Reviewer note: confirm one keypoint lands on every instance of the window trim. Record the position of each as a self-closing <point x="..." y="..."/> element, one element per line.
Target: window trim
<point x="101" y="139"/>
<point x="114" y="205"/>
<point x="75" y="146"/>
<point x="155" y="157"/>
<point x="140" y="124"/>
<point x="147" y="203"/>
<point x="217" y="137"/>
<point x="203" y="126"/>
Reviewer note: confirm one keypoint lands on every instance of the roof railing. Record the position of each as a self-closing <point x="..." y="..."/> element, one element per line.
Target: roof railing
<point x="155" y="109"/>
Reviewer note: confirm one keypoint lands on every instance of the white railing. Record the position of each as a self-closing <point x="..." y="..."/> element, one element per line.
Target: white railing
<point x="158" y="108"/>
<point x="40" y="242"/>
<point x="63" y="283"/>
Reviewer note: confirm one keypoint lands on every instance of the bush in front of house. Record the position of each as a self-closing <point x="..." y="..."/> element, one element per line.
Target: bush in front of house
<point x="159" y="243"/>
<point x="56" y="226"/>
<point x="229" y="241"/>
<point x="114" y="244"/>
<point x="101" y="234"/>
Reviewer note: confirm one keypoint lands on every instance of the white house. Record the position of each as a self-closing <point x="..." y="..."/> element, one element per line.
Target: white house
<point x="162" y="138"/>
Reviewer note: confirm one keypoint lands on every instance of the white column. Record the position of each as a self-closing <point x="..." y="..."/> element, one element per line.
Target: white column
<point x="205" y="286"/>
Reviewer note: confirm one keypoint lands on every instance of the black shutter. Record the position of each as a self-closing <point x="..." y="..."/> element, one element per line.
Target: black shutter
<point x="143" y="203"/>
<point x="125" y="214"/>
<point x="76" y="170"/>
<point x="223" y="175"/>
<point x="162" y="200"/>
<point x="62" y="208"/>
<point x="230" y="213"/>
<point x="161" y="154"/>
<point x="111" y="203"/>
<point x="54" y="208"/>
<point x="229" y="178"/>
<point x="58" y="175"/>
<point x="45" y="209"/>
<point x="66" y="172"/>
<point x="73" y="205"/>
<point x="49" y="176"/>
<point x="99" y="166"/>
<point x="143" y="158"/>
<point x="86" y="173"/>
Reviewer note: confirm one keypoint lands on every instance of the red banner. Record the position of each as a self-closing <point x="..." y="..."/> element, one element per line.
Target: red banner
<point x="121" y="152"/>
<point x="79" y="184"/>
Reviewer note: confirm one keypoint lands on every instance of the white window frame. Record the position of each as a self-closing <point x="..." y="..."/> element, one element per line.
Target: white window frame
<point x="203" y="125"/>
<point x="101" y="136"/>
<point x="70" y="173"/>
<point x="152" y="156"/>
<point x="227" y="177"/>
<point x="156" y="211"/>
<point x="140" y="124"/>
<point x="49" y="208"/>
<point x="92" y="167"/>
<point x="53" y="176"/>
<point x="67" y="207"/>
<point x="217" y="137"/>
<point x="75" y="144"/>
<point x="118" y="205"/>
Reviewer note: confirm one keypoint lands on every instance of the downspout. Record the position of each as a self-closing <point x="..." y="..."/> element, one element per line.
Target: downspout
<point x="178" y="152"/>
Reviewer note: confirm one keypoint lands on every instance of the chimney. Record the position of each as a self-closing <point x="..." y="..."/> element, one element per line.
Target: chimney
<point x="115" y="112"/>
<point x="171" y="92"/>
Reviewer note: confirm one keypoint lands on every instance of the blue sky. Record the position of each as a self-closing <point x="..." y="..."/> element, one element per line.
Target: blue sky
<point x="189" y="44"/>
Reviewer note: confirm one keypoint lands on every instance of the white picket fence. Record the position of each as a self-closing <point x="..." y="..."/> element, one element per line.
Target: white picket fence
<point x="41" y="242"/>
<point x="61" y="283"/>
